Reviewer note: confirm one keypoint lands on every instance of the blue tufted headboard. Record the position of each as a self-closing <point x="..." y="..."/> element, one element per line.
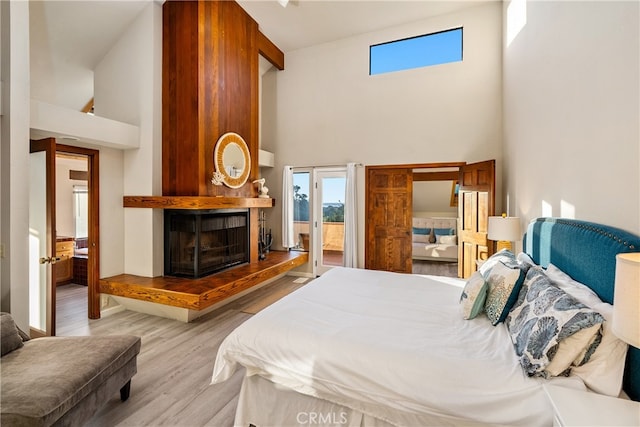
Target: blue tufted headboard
<point x="586" y="251"/>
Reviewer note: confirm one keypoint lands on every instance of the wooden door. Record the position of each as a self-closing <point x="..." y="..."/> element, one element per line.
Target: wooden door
<point x="476" y="202"/>
<point x="388" y="219"/>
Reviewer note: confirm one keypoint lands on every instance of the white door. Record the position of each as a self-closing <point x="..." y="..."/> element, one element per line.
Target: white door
<point x="42" y="247"/>
<point x="328" y="231"/>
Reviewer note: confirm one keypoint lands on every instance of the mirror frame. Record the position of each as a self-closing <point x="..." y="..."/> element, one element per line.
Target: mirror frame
<point x="218" y="159"/>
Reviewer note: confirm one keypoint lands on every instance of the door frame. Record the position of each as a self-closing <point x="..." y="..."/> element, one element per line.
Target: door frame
<point x="93" y="261"/>
<point x="412" y="166"/>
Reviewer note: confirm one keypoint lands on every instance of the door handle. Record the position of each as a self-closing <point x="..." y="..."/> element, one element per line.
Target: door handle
<point x="50" y="260"/>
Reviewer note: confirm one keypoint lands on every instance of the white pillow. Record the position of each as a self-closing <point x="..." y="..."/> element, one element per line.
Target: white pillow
<point x="421" y="238"/>
<point x="604" y="370"/>
<point x="446" y="240"/>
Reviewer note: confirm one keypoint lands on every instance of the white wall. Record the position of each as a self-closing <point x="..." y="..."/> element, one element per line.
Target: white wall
<point x="15" y="160"/>
<point x="50" y="75"/>
<point x="572" y="112"/>
<point x="433" y="198"/>
<point x="330" y="111"/>
<point x="128" y="88"/>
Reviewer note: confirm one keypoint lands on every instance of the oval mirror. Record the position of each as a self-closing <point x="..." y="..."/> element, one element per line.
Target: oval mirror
<point x="232" y="159"/>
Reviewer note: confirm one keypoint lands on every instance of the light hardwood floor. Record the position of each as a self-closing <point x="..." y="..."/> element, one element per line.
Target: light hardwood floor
<point x="172" y="386"/>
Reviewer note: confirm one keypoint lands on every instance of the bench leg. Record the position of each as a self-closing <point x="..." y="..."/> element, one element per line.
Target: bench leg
<point x="125" y="391"/>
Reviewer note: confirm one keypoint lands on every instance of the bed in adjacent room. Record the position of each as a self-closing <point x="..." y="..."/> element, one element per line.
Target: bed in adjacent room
<point x="435" y="239"/>
<point x="361" y="347"/>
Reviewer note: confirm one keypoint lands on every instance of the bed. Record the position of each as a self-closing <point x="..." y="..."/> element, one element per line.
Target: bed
<point x="435" y="239"/>
<point x="360" y="347"/>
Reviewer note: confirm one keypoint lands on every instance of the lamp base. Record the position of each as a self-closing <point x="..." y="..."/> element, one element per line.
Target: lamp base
<point x="503" y="244"/>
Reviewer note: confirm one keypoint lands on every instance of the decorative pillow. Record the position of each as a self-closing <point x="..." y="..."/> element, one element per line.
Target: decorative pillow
<point x="444" y="231"/>
<point x="504" y="286"/>
<point x="544" y="316"/>
<point x="446" y="240"/>
<point x="9" y="334"/>
<point x="423" y="231"/>
<point x="473" y="296"/>
<point x="506" y="257"/>
<point x="604" y="371"/>
<point x="526" y="260"/>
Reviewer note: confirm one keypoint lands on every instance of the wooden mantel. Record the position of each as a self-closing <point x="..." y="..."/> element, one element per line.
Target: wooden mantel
<point x="196" y="202"/>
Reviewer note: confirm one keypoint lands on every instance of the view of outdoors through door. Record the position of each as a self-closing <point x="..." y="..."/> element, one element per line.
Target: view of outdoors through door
<point x="329" y="238"/>
<point x="323" y="208"/>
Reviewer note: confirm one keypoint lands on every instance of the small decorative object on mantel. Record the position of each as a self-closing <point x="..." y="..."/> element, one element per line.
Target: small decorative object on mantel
<point x="217" y="178"/>
<point x="262" y="189"/>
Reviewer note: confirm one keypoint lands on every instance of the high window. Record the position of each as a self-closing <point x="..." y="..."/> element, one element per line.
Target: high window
<point x="421" y="51"/>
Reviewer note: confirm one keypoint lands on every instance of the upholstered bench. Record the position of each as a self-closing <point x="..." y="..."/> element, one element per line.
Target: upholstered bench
<point x="61" y="380"/>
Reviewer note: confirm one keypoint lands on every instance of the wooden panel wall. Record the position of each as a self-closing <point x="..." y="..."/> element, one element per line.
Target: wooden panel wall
<point x="210" y="87"/>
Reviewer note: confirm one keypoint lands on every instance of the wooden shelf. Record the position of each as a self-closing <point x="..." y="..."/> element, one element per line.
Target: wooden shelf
<point x="196" y="202"/>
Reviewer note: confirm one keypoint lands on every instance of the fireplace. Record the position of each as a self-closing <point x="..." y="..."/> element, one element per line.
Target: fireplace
<point x="200" y="242"/>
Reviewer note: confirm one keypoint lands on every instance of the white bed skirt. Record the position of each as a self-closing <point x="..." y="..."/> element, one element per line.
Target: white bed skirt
<point x="262" y="403"/>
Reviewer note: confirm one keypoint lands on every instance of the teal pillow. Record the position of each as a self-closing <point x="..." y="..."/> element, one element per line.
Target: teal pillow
<point x="444" y="231"/>
<point x="473" y="296"/>
<point x="422" y="231"/>
<point x="504" y="282"/>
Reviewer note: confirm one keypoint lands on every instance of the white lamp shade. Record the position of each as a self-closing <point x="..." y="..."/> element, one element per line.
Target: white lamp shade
<point x="626" y="298"/>
<point x="504" y="228"/>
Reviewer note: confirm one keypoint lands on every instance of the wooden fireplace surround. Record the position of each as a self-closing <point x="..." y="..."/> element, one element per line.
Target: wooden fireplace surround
<point x="209" y="87"/>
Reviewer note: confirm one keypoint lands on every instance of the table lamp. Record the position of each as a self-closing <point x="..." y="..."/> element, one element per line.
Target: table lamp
<point x="626" y="299"/>
<point x="504" y="229"/>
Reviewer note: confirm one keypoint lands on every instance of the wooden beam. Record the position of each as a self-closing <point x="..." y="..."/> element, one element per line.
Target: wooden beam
<point x="88" y="106"/>
<point x="270" y="51"/>
<point x="79" y="175"/>
<point x="435" y="176"/>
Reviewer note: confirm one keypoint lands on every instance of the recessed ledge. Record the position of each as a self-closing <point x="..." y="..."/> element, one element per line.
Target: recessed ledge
<point x="196" y="202"/>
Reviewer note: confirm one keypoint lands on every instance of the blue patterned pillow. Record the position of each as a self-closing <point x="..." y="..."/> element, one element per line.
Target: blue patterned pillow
<point x="543" y="319"/>
<point x="506" y="257"/>
<point x="504" y="286"/>
<point x="473" y="296"/>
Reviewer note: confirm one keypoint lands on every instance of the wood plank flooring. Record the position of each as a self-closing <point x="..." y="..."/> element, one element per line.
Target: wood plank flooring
<point x="172" y="386"/>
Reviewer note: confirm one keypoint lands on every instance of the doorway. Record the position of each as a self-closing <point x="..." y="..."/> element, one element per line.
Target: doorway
<point x="389" y="213"/>
<point x="72" y="238"/>
<point x="54" y="249"/>
<point x="435" y="222"/>
<point x="328" y="238"/>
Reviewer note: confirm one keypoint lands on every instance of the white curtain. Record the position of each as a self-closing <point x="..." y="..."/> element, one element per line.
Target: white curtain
<point x="350" y="219"/>
<point x="287" y="208"/>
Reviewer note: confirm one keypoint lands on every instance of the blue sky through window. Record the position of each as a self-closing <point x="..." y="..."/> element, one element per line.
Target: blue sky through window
<point x="421" y="51"/>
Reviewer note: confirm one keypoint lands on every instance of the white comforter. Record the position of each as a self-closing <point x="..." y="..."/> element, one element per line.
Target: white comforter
<point x="384" y="343"/>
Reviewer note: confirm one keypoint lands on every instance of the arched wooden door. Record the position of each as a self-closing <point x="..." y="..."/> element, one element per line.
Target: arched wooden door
<point x="476" y="202"/>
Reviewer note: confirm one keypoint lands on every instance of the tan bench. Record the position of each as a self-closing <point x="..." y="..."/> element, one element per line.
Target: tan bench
<point x="61" y="380"/>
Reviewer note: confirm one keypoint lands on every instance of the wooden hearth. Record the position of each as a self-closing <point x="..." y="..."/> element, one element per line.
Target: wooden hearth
<point x="199" y="294"/>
